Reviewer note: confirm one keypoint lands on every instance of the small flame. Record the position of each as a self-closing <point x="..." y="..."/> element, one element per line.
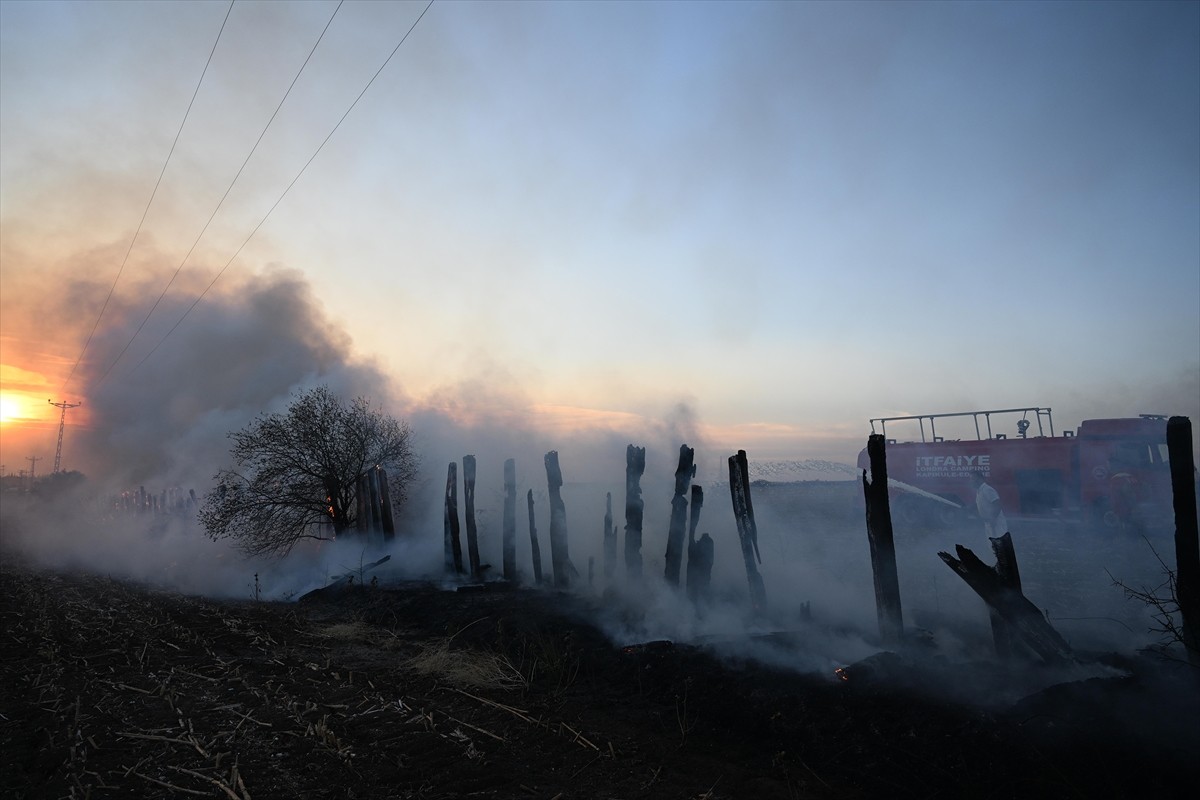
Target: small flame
<point x="841" y="673"/>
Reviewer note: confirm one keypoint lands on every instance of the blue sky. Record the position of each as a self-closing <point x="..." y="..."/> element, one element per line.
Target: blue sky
<point x="790" y="216"/>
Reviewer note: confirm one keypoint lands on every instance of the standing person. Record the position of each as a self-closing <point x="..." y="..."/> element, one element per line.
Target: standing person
<point x="987" y="503"/>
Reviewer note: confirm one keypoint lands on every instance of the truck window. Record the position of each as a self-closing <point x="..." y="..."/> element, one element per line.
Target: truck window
<point x="1130" y="455"/>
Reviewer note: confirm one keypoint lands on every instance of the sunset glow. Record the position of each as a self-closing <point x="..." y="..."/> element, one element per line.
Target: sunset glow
<point x="9" y="410"/>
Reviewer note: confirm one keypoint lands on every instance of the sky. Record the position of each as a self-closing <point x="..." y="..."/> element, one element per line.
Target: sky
<point x="736" y="225"/>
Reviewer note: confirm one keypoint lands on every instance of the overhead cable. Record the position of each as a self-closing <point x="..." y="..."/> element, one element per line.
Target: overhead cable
<point x="149" y="202"/>
<point x="285" y="192"/>
<point x="221" y="202"/>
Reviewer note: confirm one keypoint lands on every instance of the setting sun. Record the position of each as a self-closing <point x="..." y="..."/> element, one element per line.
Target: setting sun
<point x="9" y="408"/>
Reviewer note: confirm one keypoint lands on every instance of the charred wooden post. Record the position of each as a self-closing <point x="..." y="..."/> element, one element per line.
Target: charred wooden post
<point x="559" y="559"/>
<point x="883" y="544"/>
<point x="362" y="505"/>
<point x="510" y="520"/>
<point x="385" y="500"/>
<point x="453" y="547"/>
<point x="684" y="472"/>
<point x="1187" y="542"/>
<point x="610" y="540"/>
<point x="694" y="516"/>
<point x="469" y="499"/>
<point x="537" y="551"/>
<point x="1010" y="577"/>
<point x="699" y="573"/>
<point x="700" y="553"/>
<point x="743" y="514"/>
<point x="1025" y="619"/>
<point x="635" y="465"/>
<point x="373" y="488"/>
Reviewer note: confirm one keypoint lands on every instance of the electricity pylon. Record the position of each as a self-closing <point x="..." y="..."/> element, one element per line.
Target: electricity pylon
<point x="62" y="424"/>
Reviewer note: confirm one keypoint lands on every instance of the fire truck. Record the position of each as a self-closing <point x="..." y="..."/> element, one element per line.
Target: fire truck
<point x="1110" y="472"/>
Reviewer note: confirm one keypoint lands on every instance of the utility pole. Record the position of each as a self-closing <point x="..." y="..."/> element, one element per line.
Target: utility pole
<point x="33" y="466"/>
<point x="62" y="424"/>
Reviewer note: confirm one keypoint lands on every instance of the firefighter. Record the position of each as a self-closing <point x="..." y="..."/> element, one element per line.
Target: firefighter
<point x="987" y="503"/>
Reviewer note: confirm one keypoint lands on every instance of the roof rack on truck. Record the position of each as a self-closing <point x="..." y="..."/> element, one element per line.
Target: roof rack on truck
<point x="1040" y="415"/>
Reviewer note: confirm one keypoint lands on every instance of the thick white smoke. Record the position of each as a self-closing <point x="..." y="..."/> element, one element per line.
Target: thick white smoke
<point x="251" y="347"/>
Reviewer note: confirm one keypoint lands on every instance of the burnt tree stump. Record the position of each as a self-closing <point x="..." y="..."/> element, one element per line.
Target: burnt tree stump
<point x="1010" y="576"/>
<point x="635" y="466"/>
<point x="560" y="561"/>
<point x="385" y="500"/>
<point x="1025" y="619"/>
<point x="883" y="544"/>
<point x="362" y="508"/>
<point x="610" y="540"/>
<point x="700" y="553"/>
<point x="533" y="541"/>
<point x="510" y="520"/>
<point x="684" y="472"/>
<point x="453" y="547"/>
<point x="1187" y="542"/>
<point x="373" y="487"/>
<point x="469" y="500"/>
<point x="743" y="514"/>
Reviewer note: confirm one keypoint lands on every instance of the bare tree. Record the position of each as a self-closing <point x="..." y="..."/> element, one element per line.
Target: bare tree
<point x="297" y="473"/>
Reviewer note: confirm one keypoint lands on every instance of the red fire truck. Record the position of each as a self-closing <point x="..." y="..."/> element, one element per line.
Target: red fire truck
<point x="1112" y="472"/>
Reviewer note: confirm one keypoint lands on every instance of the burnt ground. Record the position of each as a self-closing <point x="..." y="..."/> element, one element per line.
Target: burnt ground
<point x="110" y="689"/>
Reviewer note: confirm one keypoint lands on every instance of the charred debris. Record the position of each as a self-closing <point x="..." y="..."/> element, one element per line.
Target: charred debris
<point x="1024" y="639"/>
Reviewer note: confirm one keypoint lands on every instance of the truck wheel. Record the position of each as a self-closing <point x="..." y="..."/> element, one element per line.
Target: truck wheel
<point x="1103" y="515"/>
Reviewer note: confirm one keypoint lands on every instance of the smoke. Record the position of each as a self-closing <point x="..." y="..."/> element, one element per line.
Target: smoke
<point x="259" y="339"/>
<point x="157" y="417"/>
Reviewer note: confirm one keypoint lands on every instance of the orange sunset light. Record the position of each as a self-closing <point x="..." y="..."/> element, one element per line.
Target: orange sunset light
<point x="9" y="409"/>
<point x="19" y="407"/>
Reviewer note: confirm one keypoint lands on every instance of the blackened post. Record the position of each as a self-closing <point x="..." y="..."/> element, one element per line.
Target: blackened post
<point x="610" y="540"/>
<point x="883" y="545"/>
<point x="362" y="505"/>
<point x="453" y="547"/>
<point x="743" y="513"/>
<point x="1187" y="543"/>
<point x="635" y="465"/>
<point x="385" y="500"/>
<point x="700" y="554"/>
<point x="684" y="472"/>
<point x="559" y="559"/>
<point x="537" y="551"/>
<point x="373" y="487"/>
<point x="1025" y="619"/>
<point x="1010" y="578"/>
<point x="510" y="520"/>
<point x="469" y="500"/>
<point x="694" y="517"/>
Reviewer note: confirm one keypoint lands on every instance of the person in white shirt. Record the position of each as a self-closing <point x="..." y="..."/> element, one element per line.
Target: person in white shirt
<point x="987" y="503"/>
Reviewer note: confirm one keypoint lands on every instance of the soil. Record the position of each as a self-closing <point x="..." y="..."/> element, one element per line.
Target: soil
<point x="108" y="689"/>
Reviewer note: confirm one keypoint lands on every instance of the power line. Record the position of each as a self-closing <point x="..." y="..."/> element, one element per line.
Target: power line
<point x="285" y="191"/>
<point x="149" y="202"/>
<point x="221" y="202"/>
